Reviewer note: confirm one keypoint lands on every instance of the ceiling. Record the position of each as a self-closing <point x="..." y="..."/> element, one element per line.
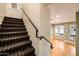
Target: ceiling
<point x="63" y="12"/>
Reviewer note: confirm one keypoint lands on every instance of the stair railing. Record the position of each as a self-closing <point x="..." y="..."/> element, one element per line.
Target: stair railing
<point x="40" y="37"/>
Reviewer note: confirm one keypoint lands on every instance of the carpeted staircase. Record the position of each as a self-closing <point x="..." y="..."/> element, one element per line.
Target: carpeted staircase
<point x="14" y="38"/>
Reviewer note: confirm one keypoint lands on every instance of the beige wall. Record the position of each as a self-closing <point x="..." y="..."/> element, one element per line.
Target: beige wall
<point x="44" y="46"/>
<point x="39" y="15"/>
<point x="2" y="11"/>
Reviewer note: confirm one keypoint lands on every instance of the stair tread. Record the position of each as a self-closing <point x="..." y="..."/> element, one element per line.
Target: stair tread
<point x="12" y="28"/>
<point x="12" y="18"/>
<point x="3" y="33"/>
<point x="11" y="38"/>
<point x="13" y="24"/>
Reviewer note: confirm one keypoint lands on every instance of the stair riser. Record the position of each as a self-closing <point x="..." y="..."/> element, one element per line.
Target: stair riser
<point x="13" y="20"/>
<point x="12" y="30"/>
<point x="5" y="26"/>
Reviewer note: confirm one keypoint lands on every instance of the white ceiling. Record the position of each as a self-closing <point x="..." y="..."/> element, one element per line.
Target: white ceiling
<point x="66" y="12"/>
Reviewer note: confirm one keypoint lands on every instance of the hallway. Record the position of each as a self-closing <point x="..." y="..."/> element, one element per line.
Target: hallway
<point x="62" y="48"/>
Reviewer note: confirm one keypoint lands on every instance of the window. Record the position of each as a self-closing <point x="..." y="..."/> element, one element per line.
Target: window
<point x="59" y="30"/>
<point x="56" y="30"/>
<point x="72" y="31"/>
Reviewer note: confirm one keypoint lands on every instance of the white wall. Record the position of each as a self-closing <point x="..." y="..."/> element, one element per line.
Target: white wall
<point x="33" y="11"/>
<point x="16" y="13"/>
<point x="39" y="15"/>
<point x="44" y="46"/>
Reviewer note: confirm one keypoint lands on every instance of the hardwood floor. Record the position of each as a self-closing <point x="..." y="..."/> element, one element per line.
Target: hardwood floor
<point x="62" y="48"/>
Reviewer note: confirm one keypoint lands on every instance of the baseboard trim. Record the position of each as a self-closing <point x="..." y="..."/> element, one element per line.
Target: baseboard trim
<point x="62" y="38"/>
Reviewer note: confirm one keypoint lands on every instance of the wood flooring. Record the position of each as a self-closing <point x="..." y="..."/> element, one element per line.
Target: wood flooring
<point x="62" y="48"/>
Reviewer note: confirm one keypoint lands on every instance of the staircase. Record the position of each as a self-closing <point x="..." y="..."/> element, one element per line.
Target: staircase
<point x="14" y="38"/>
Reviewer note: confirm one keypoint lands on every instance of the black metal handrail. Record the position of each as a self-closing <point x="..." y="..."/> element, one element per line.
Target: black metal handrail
<point x="40" y="37"/>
